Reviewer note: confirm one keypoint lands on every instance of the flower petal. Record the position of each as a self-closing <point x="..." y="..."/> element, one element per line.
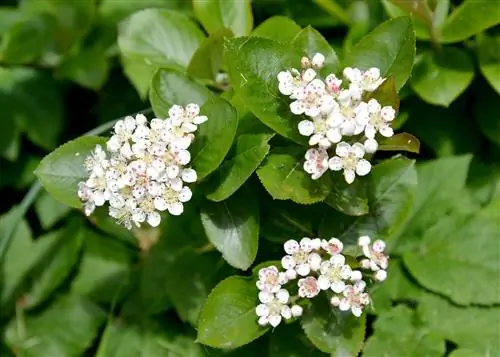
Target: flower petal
<point x="363" y="167"/>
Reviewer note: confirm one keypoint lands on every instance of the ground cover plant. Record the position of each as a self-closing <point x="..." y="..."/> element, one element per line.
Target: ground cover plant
<point x="250" y="178"/>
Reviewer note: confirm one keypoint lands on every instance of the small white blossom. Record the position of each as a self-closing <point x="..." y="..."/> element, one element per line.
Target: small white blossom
<point x="380" y="275"/>
<point x="354" y="298"/>
<point x="333" y="84"/>
<point x="318" y="60"/>
<point x="380" y="120"/>
<point x="367" y="81"/>
<point x="316" y="163"/>
<point x="274" y="308"/>
<point x="308" y="287"/>
<point x="333" y="274"/>
<point x="300" y="257"/>
<point x="270" y="279"/>
<point x="376" y="258"/>
<point x="333" y="246"/>
<point x="312" y="100"/>
<point x="350" y="159"/>
<point x="297" y="310"/>
<point x="351" y="114"/>
<point x="322" y="131"/>
<point x="293" y="80"/>
<point x="370" y="145"/>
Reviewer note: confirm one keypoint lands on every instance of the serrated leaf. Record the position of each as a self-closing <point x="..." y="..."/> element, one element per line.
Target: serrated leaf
<point x="389" y="47"/>
<point x="62" y="170"/>
<point x="218" y="14"/>
<point x="440" y="77"/>
<point x="228" y="318"/>
<point x="214" y="137"/>
<point x="248" y="152"/>
<point x="277" y="28"/>
<point x="400" y="142"/>
<point x="470" y="18"/>
<point x="332" y="331"/>
<point x="160" y="37"/>
<point x="284" y="178"/>
<point x="253" y="64"/>
<point x="233" y="228"/>
<point x="169" y="87"/>
<point x="489" y="60"/>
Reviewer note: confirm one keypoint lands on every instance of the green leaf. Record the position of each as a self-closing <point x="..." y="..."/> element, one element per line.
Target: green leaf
<point x="309" y="42"/>
<point x="139" y="73"/>
<point x="169" y="87"/>
<point x="25" y="41"/>
<point x="386" y="94"/>
<point x="440" y="77"/>
<point x="55" y="331"/>
<point x="62" y="170"/>
<point x="449" y="244"/>
<point x="390" y="47"/>
<point x="278" y="28"/>
<point x="160" y="37"/>
<point x="214" y="137"/>
<point x="486" y="115"/>
<point x="217" y="14"/>
<point x="332" y="331"/>
<point x="284" y="178"/>
<point x="101" y="219"/>
<point x="89" y="68"/>
<point x="208" y="58"/>
<point x="470" y="18"/>
<point x="468" y="327"/>
<point x="397" y="334"/>
<point x="350" y="199"/>
<point x="8" y="17"/>
<point x="228" y="318"/>
<point x="288" y="341"/>
<point x="489" y="60"/>
<point x="465" y="352"/>
<point x="247" y="154"/>
<point x="253" y="64"/>
<point x="400" y="142"/>
<point x="49" y="210"/>
<point x="233" y="228"/>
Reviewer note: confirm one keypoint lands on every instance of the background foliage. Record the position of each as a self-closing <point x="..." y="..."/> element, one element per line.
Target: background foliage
<point x="77" y="287"/>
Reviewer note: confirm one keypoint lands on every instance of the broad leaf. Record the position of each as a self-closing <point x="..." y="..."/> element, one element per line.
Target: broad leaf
<point x="253" y="65"/>
<point x="350" y="199"/>
<point x="288" y="341"/>
<point x="278" y="28"/>
<point x="449" y="244"/>
<point x="332" y="331"/>
<point x="169" y="87"/>
<point x="386" y="94"/>
<point x="489" y="59"/>
<point x="465" y="352"/>
<point x="486" y="114"/>
<point x="139" y="73"/>
<point x="284" y="178"/>
<point x="400" y="142"/>
<point x="62" y="170"/>
<point x="233" y="228"/>
<point x="217" y="14"/>
<point x="228" y="318"/>
<point x="470" y="18"/>
<point x="88" y="68"/>
<point x="214" y="137"/>
<point x="160" y="37"/>
<point x="440" y="77"/>
<point x="247" y="154"/>
<point x="390" y="47"/>
<point x="49" y="210"/>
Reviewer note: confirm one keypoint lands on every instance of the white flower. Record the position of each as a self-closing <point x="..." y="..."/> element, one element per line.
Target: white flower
<point x="333" y="84"/>
<point x="300" y="257"/>
<point x="380" y="120"/>
<point x="316" y="163"/>
<point x="322" y="131"/>
<point x="297" y="311"/>
<point x="312" y="100"/>
<point x="350" y="159"/>
<point x="333" y="274"/>
<point x="354" y="298"/>
<point x="351" y="114"/>
<point x="377" y="259"/>
<point x="291" y="81"/>
<point x="367" y="81"/>
<point x="308" y="287"/>
<point x="187" y="118"/>
<point x="356" y="275"/>
<point x="270" y="279"/>
<point x="333" y="246"/>
<point x="318" y="60"/>
<point x="273" y="308"/>
<point x="370" y="145"/>
<point x="380" y="275"/>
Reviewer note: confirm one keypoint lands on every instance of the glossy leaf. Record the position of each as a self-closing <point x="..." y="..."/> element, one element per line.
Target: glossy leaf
<point x="400" y="142"/>
<point x="350" y="199"/>
<point x="386" y="94"/>
<point x="139" y="73"/>
<point x="217" y="14"/>
<point x="49" y="210"/>
<point x="288" y="341"/>
<point x="489" y="60"/>
<point x="62" y="170"/>
<point x="278" y="28"/>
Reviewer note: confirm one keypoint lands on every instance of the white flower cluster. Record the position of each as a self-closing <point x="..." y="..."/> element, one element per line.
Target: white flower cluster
<point x="318" y="265"/>
<point x="144" y="169"/>
<point x="338" y="118"/>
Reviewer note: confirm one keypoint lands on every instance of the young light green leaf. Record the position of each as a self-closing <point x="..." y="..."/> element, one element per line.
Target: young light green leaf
<point x="390" y="47"/>
<point x="62" y="170"/>
<point x="400" y="142"/>
<point x="310" y="42"/>
<point x="139" y="73"/>
<point x="422" y="29"/>
<point x="253" y="65"/>
<point x="419" y="8"/>
<point x="248" y="152"/>
<point x="440" y="77"/>
<point x="214" y="137"/>
<point x="217" y="14"/>
<point x="284" y="178"/>
<point x="233" y="228"/>
<point x="470" y="18"/>
<point x="169" y="87"/>
<point x="277" y="28"/>
<point x="489" y="60"/>
<point x="334" y="332"/>
<point x="465" y="352"/>
<point x="55" y="331"/>
<point x="161" y="37"/>
<point x="449" y="244"/>
<point x="228" y="318"/>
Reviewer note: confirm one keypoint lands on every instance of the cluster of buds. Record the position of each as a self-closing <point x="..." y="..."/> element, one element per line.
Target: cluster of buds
<point x="315" y="265"/>
<point x="340" y="118"/>
<point x="144" y="169"/>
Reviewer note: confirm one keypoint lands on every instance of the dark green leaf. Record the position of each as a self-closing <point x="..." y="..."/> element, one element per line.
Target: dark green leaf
<point x="62" y="170"/>
<point x="440" y="77"/>
<point x="289" y="341"/>
<point x="278" y="28"/>
<point x="49" y="210"/>
<point x="419" y="8"/>
<point x="350" y="199"/>
<point x="400" y="142"/>
<point x="390" y="47"/>
<point x="284" y="178"/>
<point x="217" y="14"/>
<point x="89" y="68"/>
<point x="8" y="17"/>
<point x="386" y="94"/>
<point x="489" y="59"/>
<point x="234" y="228"/>
<point x="228" y="318"/>
<point x="487" y="115"/>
